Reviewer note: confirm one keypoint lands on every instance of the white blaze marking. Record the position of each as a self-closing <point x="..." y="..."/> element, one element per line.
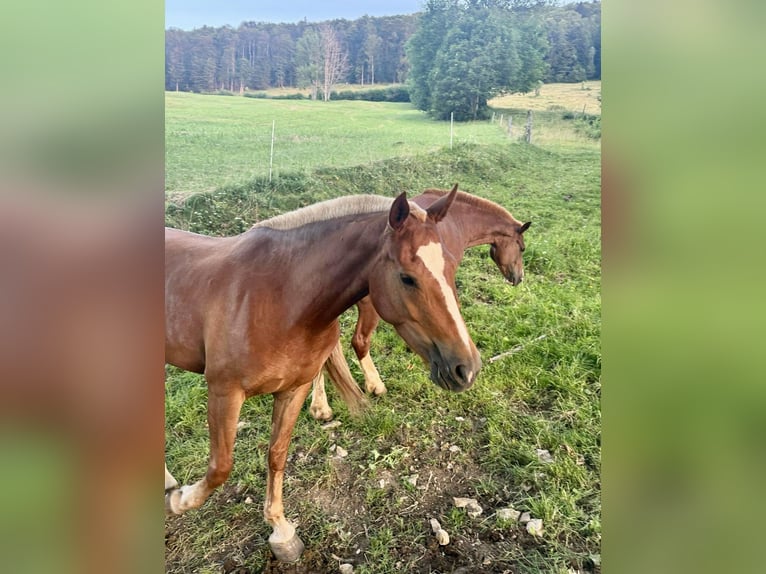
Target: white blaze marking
<point x="433" y="258"/>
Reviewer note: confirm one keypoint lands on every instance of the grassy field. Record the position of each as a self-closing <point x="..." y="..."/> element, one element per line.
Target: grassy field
<point x="212" y="141"/>
<point x="480" y="444"/>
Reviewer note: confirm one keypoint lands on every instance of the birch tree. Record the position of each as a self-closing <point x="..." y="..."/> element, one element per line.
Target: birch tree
<point x="334" y="60"/>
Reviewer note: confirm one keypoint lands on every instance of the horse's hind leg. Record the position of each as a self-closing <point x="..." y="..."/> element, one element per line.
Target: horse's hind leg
<point x="170" y="481"/>
<point x="222" y="415"/>
<point x="366" y="324"/>
<point x="283" y="541"/>
<point x="320" y="408"/>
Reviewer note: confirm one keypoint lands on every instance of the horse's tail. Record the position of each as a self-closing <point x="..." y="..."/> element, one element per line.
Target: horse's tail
<point x="340" y="375"/>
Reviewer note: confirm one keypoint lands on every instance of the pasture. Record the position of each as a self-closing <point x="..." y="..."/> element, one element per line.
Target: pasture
<point x="212" y="141"/>
<point x="416" y="447"/>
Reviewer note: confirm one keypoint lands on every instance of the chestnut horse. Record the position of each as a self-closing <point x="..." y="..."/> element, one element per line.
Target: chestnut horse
<point x="257" y="313"/>
<point x="473" y="221"/>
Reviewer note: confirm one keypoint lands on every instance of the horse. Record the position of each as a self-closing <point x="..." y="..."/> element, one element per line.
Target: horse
<point x="473" y="221"/>
<point x="257" y="313"/>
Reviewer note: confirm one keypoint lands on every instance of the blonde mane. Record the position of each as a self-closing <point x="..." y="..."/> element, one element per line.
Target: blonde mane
<point x="326" y="210"/>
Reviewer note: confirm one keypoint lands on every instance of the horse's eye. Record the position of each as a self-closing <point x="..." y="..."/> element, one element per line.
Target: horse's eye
<point x="407" y="280"/>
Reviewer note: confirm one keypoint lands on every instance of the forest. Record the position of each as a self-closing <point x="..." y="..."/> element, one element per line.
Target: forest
<point x="566" y="44"/>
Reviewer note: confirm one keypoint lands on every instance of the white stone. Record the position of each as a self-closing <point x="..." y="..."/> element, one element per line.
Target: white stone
<point x="508" y="514"/>
<point x="462" y="502"/>
<point x="346" y="569"/>
<point x="442" y="537"/>
<point x="331" y="425"/>
<point x="473" y="509"/>
<point x="544" y="455"/>
<point x="535" y="527"/>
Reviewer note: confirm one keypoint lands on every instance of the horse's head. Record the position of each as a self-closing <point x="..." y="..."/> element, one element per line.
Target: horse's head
<point x="412" y="287"/>
<point x="506" y="251"/>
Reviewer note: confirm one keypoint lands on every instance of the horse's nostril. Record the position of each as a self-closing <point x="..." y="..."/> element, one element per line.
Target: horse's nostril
<point x="461" y="373"/>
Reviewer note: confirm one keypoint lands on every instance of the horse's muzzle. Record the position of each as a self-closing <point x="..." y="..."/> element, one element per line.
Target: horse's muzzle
<point x="453" y="374"/>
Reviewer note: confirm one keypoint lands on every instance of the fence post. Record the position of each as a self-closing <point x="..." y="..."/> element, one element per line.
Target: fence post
<point x="271" y="155"/>
<point x="510" y="126"/>
<point x="451" y="119"/>
<point x="501" y="119"/>
<point x="528" y="128"/>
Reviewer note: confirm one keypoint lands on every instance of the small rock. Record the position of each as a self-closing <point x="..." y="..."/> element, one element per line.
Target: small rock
<point x="459" y="419"/>
<point x="486" y="562"/>
<point x="242" y="425"/>
<point x="435" y="526"/>
<point x="346" y="569"/>
<point x="473" y="509"/>
<point x="462" y="502"/>
<point x="442" y="537"/>
<point x="535" y="527"/>
<point x="454" y="448"/>
<point x="248" y="500"/>
<point x="544" y="455"/>
<point x="341" y="452"/>
<point x="507" y="514"/>
<point x="411" y="479"/>
<point x="524" y="518"/>
<point x="331" y="425"/>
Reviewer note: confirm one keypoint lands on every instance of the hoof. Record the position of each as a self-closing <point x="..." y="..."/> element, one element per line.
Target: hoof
<point x="321" y="414"/>
<point x="379" y="390"/>
<point x="289" y="551"/>
<point x="173" y="502"/>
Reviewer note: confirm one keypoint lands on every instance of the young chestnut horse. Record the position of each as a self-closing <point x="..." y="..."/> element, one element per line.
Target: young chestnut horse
<point x="257" y="313"/>
<point x="473" y="221"/>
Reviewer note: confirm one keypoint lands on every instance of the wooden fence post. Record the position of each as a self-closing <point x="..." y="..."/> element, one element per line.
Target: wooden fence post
<point x="528" y="128"/>
<point x="510" y="126"/>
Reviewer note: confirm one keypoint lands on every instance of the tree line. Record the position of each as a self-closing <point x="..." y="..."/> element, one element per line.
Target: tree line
<point x="553" y="44"/>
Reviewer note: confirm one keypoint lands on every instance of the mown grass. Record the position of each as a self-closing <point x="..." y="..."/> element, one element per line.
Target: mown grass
<point x="212" y="141"/>
<point x="546" y="396"/>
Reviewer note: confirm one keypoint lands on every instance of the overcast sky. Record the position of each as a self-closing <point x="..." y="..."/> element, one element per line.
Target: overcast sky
<point x="188" y="14"/>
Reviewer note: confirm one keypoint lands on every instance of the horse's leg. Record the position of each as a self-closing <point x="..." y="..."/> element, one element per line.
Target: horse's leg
<point x="366" y="324"/>
<point x="283" y="541"/>
<point x="223" y="408"/>
<point x="170" y="481"/>
<point x="320" y="408"/>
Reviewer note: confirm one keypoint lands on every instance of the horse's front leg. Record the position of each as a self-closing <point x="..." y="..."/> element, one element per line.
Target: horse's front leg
<point x="223" y="406"/>
<point x="366" y="323"/>
<point x="283" y="541"/>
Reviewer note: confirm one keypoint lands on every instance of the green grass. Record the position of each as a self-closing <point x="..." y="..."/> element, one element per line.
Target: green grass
<point x="213" y="141"/>
<point x="545" y="396"/>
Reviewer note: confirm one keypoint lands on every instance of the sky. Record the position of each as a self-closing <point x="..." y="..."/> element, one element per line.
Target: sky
<point x="188" y="14"/>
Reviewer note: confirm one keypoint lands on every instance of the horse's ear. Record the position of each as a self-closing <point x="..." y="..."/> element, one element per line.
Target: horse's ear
<point x="400" y="210"/>
<point x="438" y="209"/>
<point x="524" y="227"/>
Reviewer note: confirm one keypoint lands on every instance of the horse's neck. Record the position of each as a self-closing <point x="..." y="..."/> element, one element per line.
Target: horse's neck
<point x="327" y="267"/>
<point x="476" y="224"/>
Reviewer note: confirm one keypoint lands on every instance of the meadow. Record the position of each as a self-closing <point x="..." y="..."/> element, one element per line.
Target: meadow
<point x="488" y="443"/>
<point x="212" y="141"/>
